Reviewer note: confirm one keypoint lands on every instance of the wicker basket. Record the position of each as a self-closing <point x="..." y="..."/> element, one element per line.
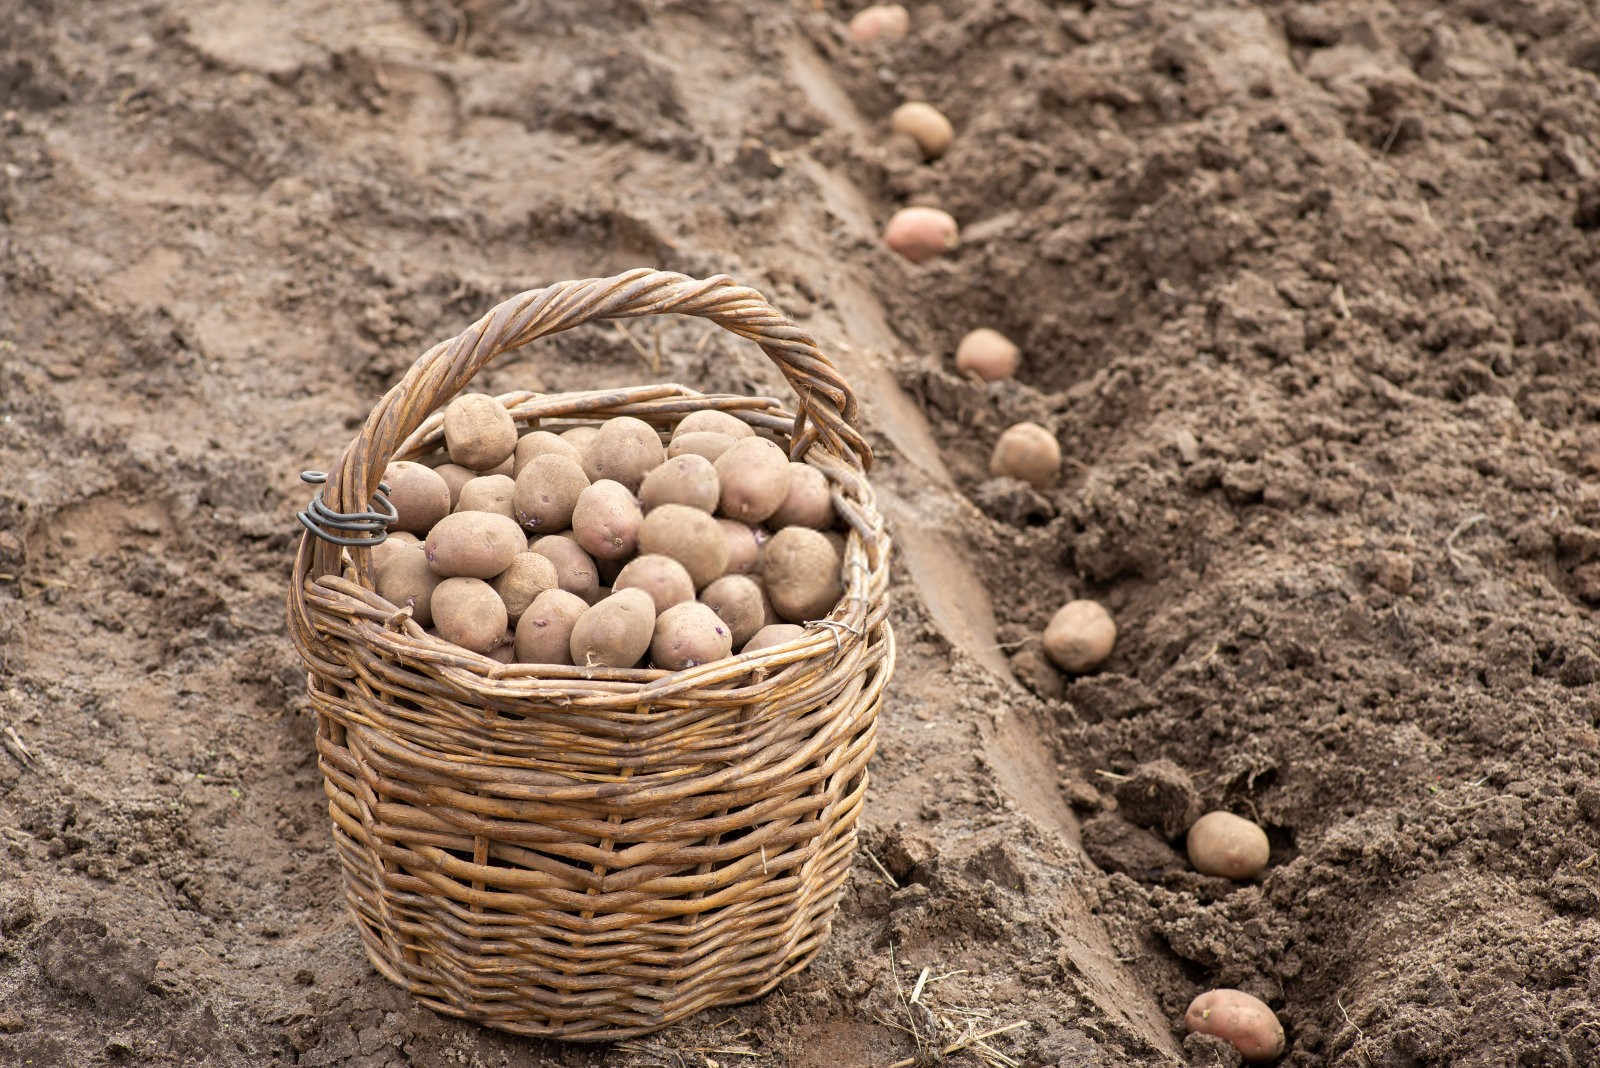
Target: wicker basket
<point x="593" y="853"/>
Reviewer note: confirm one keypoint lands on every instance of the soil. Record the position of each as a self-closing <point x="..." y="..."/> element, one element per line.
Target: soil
<point x="1308" y="293"/>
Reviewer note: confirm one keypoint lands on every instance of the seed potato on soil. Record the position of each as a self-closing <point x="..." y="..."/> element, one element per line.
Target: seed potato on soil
<point x="615" y="631"/>
<point x="880" y="22"/>
<point x="921" y="234"/>
<point x="479" y="432"/>
<point x="1029" y="452"/>
<point x="988" y="354"/>
<point x="1242" y="1020"/>
<point x="924" y="124"/>
<point x="1221" y="843"/>
<point x="419" y="495"/>
<point x="1080" y="636"/>
<point x="473" y="544"/>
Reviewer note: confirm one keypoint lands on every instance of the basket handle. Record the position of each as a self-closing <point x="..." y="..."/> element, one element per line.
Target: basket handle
<point x="827" y="410"/>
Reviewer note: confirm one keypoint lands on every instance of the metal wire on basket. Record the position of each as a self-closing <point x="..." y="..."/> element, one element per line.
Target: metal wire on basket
<point x="320" y="519"/>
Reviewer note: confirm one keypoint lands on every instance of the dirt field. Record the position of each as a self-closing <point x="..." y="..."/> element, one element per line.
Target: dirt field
<point x="1308" y="292"/>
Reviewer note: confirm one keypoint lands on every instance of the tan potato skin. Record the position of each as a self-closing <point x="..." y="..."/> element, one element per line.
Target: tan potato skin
<point x="468" y="612"/>
<point x="690" y="537"/>
<point x="615" y="632"/>
<point x="546" y="492"/>
<point x="1243" y="1021"/>
<point x="710" y="420"/>
<point x="542" y="443"/>
<point x="624" y="450"/>
<point x="688" y="479"/>
<point x="529" y="575"/>
<point x="406" y="581"/>
<point x="755" y="480"/>
<point x="688" y="635"/>
<point x="455" y="476"/>
<point x="773" y="634"/>
<point x="419" y="494"/>
<point x="474" y="544"/>
<point x="1080" y="636"/>
<point x="478" y="432"/>
<point x="987" y="353"/>
<point x="800" y="569"/>
<point x="487" y="493"/>
<point x="809" y="502"/>
<point x="744" y="546"/>
<point x="1027" y="451"/>
<point x="606" y="519"/>
<point x="575" y="569"/>
<point x="921" y="234"/>
<point x="705" y="443"/>
<point x="662" y="577"/>
<point x="739" y="602"/>
<point x="924" y="124"/>
<point x="544" y="633"/>
<point x="1220" y="843"/>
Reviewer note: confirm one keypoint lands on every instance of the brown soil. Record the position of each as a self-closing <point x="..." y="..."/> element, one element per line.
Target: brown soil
<point x="1307" y="290"/>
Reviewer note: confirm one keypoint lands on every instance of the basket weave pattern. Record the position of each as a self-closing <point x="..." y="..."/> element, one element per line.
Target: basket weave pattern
<point x="594" y="853"/>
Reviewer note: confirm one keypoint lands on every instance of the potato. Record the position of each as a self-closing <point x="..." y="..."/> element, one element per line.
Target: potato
<point x="988" y="354"/>
<point x="1221" y="843"/>
<point x="616" y="632"/>
<point x="712" y="421"/>
<point x="739" y="602"/>
<point x="488" y="493"/>
<point x="418" y="494"/>
<point x="478" y="431"/>
<point x="744" y="545"/>
<point x="687" y="479"/>
<point x="474" y="544"/>
<point x="1029" y="452"/>
<point x="405" y="537"/>
<point x="575" y="570"/>
<point x="455" y="476"/>
<point x="546" y="492"/>
<point x="924" y="124"/>
<point x="662" y="577"/>
<point x="506" y="651"/>
<point x="690" y="537"/>
<point x="1243" y="1021"/>
<point x="625" y="450"/>
<point x="580" y="438"/>
<point x="529" y="575"/>
<point x="1079" y="636"/>
<point x="606" y="519"/>
<point x="542" y="443"/>
<point x="406" y="581"/>
<point x="773" y="634"/>
<point x="920" y="234"/>
<point x="801" y="572"/>
<point x="755" y="480"/>
<point x="809" y="502"/>
<point x="705" y="443"/>
<point x="505" y="467"/>
<point x="389" y="548"/>
<point x="468" y="612"/>
<point x="880" y="22"/>
<point x="687" y="635"/>
<point x="544" y="633"/>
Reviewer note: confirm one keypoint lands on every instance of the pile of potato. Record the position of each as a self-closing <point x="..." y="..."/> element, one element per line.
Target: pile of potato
<point x="605" y="547"/>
